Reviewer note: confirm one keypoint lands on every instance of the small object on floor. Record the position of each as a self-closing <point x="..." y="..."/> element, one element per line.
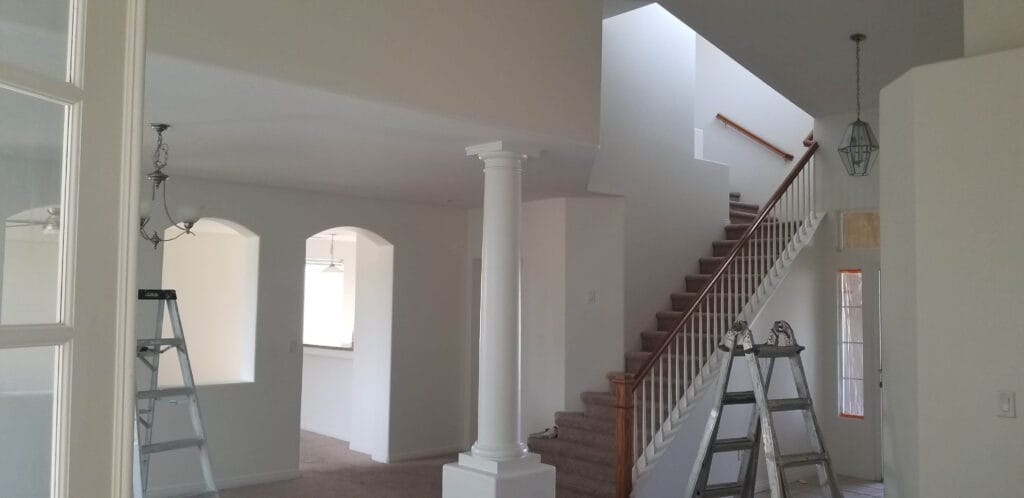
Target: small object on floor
<point x="549" y="433"/>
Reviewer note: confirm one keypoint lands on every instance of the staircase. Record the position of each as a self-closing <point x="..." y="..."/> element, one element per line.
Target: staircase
<point x="679" y="357"/>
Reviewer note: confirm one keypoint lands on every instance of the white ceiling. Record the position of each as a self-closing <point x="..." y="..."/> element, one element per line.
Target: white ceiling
<point x="802" y="47"/>
<point x="239" y="127"/>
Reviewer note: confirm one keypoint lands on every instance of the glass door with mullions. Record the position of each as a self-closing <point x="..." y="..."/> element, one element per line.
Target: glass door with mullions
<point x="61" y="203"/>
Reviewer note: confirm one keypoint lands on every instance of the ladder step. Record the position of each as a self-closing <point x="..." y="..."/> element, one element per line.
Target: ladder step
<point x="738" y="398"/>
<point x="801" y="459"/>
<point x="167" y="392"/>
<point x="724" y="489"/>
<point x="158" y="343"/>
<point x="770" y="351"/>
<point x="788" y="404"/>
<point x="732" y="444"/>
<point x="175" y="444"/>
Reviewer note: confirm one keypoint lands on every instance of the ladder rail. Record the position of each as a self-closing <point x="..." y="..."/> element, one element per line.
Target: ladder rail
<point x="186" y="374"/>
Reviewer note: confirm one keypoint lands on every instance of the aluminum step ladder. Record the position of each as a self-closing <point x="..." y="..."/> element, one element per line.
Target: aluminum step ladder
<point x="148" y="352"/>
<point x="761" y="431"/>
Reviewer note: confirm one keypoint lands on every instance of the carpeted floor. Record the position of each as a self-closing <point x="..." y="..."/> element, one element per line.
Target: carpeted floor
<point x="329" y="469"/>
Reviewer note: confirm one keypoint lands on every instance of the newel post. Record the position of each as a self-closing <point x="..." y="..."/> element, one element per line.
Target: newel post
<point x="623" y="384"/>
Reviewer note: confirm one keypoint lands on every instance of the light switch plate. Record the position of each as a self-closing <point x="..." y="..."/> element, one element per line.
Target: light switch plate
<point x="1007" y="404"/>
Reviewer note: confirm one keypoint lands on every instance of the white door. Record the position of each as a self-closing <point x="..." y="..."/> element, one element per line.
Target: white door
<point x="67" y="112"/>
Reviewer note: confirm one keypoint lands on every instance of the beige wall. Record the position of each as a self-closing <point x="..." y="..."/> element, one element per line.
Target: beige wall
<point x="953" y="309"/>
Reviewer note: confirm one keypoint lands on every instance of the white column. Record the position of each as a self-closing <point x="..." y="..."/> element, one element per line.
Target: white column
<point x="499" y="464"/>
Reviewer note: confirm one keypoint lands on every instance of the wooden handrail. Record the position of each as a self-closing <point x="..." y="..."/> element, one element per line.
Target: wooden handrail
<point x="809" y="139"/>
<point x="755" y="137"/>
<point x="644" y="371"/>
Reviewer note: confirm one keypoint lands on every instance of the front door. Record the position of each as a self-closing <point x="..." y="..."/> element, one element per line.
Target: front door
<point x="67" y="115"/>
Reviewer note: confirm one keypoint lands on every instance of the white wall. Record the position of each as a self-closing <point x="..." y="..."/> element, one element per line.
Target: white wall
<point x="543" y="312"/>
<point x="992" y="26"/>
<point x="376" y="423"/>
<point x="674" y="205"/>
<point x="530" y="65"/>
<point x="327" y="401"/>
<point x="254" y="427"/>
<point x="724" y="86"/>
<point x="953" y="310"/>
<point x="217" y="275"/>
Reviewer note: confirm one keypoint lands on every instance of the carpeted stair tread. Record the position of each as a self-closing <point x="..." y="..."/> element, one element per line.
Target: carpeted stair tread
<point x="734" y="196"/>
<point x="711" y="264"/>
<point x="736" y="216"/>
<point x="744" y="206"/>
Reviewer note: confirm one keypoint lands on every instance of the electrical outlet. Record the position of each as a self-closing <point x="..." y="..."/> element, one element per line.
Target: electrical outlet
<point x="1007" y="404"/>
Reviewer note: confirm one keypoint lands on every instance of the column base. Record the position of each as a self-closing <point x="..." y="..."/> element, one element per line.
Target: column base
<point x="475" y="477"/>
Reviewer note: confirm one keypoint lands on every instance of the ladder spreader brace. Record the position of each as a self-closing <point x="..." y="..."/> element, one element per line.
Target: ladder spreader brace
<point x="739" y="341"/>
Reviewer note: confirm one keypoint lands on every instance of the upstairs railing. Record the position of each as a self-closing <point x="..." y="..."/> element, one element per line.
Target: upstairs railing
<point x="656" y="394"/>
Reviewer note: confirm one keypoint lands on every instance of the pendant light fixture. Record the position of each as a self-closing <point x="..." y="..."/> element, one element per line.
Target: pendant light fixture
<point x="332" y="268"/>
<point x="859" y="147"/>
<point x="158" y="193"/>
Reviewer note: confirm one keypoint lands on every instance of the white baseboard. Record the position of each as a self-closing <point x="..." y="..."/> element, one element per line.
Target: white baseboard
<point x="432" y="452"/>
<point x="226" y="483"/>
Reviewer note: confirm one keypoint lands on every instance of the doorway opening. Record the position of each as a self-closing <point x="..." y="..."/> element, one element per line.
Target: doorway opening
<point x="346" y="336"/>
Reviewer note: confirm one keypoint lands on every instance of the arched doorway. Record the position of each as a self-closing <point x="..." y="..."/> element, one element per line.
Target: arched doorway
<point x="346" y="374"/>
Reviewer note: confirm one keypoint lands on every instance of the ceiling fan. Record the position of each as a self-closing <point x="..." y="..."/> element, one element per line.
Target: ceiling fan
<point x="49" y="225"/>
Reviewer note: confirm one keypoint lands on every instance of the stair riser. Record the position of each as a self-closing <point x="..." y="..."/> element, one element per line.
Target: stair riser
<point x="595" y="440"/>
<point x="578" y="421"/>
<point x="744" y="207"/>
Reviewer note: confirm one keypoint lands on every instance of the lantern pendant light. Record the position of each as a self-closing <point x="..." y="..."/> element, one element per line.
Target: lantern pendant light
<point x="859" y="147"/>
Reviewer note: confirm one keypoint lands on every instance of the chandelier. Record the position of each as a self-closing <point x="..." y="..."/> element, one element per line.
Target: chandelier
<point x="158" y="194"/>
<point x="859" y="147"/>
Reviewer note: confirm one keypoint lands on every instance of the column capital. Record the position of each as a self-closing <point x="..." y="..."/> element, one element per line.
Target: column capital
<point x="503" y="149"/>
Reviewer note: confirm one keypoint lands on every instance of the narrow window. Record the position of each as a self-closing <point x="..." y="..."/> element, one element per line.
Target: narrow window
<point x="324" y="323"/>
<point x="851" y="344"/>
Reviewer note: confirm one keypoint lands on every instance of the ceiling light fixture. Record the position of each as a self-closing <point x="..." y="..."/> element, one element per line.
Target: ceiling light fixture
<point x="157" y="178"/>
<point x="332" y="268"/>
<point x="859" y="147"/>
<point x="49" y="226"/>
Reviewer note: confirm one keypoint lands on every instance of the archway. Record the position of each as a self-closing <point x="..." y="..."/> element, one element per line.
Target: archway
<point x="346" y="374"/>
<point x="216" y="274"/>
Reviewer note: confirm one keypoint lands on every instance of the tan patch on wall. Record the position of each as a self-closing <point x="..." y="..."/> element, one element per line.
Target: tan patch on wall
<point x="860" y="230"/>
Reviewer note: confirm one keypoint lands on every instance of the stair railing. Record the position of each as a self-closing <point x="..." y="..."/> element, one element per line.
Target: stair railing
<point x="657" y="394"/>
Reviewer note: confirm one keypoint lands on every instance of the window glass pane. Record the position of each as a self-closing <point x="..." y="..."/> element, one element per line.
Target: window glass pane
<point x="27" y="378"/>
<point x="34" y="35"/>
<point x="852" y="399"/>
<point x="323" y="314"/>
<point x="31" y="166"/>
<point x="853" y="361"/>
<point x="850" y="285"/>
<point x="852" y="324"/>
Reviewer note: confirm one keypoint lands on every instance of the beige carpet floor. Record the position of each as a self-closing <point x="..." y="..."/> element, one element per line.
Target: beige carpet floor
<point x="329" y="469"/>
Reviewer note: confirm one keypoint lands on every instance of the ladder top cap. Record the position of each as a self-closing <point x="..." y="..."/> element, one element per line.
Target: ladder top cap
<point x="157" y="295"/>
